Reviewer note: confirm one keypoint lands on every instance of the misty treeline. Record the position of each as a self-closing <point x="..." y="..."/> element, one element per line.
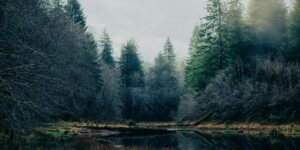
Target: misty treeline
<point x="53" y="69"/>
<point x="244" y="66"/>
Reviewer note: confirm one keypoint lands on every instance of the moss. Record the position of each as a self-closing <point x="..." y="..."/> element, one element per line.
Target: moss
<point x="231" y="132"/>
<point x="60" y="133"/>
<point x="296" y="132"/>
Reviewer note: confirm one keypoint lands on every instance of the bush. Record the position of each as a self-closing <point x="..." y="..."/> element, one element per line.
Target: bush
<point x="264" y="91"/>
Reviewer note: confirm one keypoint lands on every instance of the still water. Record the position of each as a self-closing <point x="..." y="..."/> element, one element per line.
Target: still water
<point x="177" y="140"/>
<point x="192" y="140"/>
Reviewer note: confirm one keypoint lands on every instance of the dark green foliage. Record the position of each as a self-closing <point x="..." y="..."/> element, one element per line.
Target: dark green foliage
<point x="132" y="81"/>
<point x="106" y="50"/>
<point x="241" y="88"/>
<point x="293" y="46"/>
<point x="49" y="66"/>
<point x="237" y="39"/>
<point x="162" y="84"/>
<point x="208" y="47"/>
<point x="169" y="52"/>
<point x="264" y="92"/>
<point x="74" y="10"/>
<point x="131" y="66"/>
<point x="267" y="20"/>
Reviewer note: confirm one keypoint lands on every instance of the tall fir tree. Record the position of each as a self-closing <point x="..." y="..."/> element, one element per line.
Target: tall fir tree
<point x="237" y="41"/>
<point x="267" y="19"/>
<point x="163" y="84"/>
<point x="170" y="60"/>
<point x="169" y="51"/>
<point x="132" y="79"/>
<point x="131" y="66"/>
<point x="106" y="50"/>
<point x="74" y="10"/>
<point x="208" y="47"/>
<point x="195" y="77"/>
<point x="294" y="33"/>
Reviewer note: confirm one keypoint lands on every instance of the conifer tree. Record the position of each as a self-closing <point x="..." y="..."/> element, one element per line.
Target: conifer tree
<point x="294" y="33"/>
<point x="208" y="47"/>
<point x="163" y="87"/>
<point x="131" y="65"/>
<point x="237" y="43"/>
<point x="132" y="80"/>
<point x="267" y="19"/>
<point x="169" y="58"/>
<point x="169" y="51"/>
<point x="106" y="50"/>
<point x="74" y="10"/>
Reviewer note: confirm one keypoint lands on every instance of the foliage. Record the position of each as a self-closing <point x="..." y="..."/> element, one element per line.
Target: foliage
<point x="132" y="81"/>
<point x="254" y="94"/>
<point x="267" y="20"/>
<point x="162" y="86"/>
<point x="293" y="44"/>
<point x="49" y="66"/>
<point x="106" y="50"/>
<point x="74" y="11"/>
<point x="240" y="88"/>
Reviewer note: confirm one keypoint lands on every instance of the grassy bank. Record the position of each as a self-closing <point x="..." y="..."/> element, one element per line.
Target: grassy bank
<point x="92" y="135"/>
<point x="110" y="128"/>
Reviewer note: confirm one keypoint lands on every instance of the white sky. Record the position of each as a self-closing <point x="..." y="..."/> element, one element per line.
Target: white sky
<point x="149" y="22"/>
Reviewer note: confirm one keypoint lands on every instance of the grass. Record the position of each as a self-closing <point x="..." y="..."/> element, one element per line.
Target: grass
<point x="69" y="129"/>
<point x="60" y="133"/>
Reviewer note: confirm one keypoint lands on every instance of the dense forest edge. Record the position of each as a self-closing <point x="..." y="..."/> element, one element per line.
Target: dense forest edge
<point x="243" y="68"/>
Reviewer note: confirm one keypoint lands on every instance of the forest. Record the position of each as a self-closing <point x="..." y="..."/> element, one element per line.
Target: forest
<point x="243" y="67"/>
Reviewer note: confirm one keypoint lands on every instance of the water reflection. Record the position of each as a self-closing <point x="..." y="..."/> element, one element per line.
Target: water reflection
<point x="196" y="141"/>
<point x="177" y="140"/>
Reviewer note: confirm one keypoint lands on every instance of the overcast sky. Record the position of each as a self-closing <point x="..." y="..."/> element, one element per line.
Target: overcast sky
<point x="149" y="22"/>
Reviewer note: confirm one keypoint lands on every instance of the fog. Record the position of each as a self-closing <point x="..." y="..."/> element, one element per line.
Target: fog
<point x="148" y="22"/>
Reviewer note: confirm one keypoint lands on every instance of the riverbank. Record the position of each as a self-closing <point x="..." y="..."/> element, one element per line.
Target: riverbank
<point x="110" y="129"/>
<point x="138" y="136"/>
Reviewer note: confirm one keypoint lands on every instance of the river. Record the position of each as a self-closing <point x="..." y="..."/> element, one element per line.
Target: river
<point x="163" y="139"/>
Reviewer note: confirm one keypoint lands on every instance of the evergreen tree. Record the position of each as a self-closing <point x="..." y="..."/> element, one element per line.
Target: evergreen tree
<point x="106" y="50"/>
<point x="267" y="19"/>
<point x="208" y="47"/>
<point x="169" y="58"/>
<point x="132" y="80"/>
<point x="169" y="51"/>
<point x="237" y="43"/>
<point x="131" y="66"/>
<point x="163" y="88"/>
<point x="195" y="77"/>
<point x="294" y="33"/>
<point x="74" y="10"/>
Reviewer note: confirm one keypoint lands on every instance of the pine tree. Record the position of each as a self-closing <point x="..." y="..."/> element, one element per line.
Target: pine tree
<point x="169" y="51"/>
<point x="131" y="66"/>
<point x="215" y="29"/>
<point x="163" y="88"/>
<point x="195" y="75"/>
<point x="208" y="47"/>
<point x="132" y="79"/>
<point x="170" y="60"/>
<point x="237" y="44"/>
<point x="74" y="10"/>
<point x="267" y="19"/>
<point x="294" y="33"/>
<point x="106" y="50"/>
